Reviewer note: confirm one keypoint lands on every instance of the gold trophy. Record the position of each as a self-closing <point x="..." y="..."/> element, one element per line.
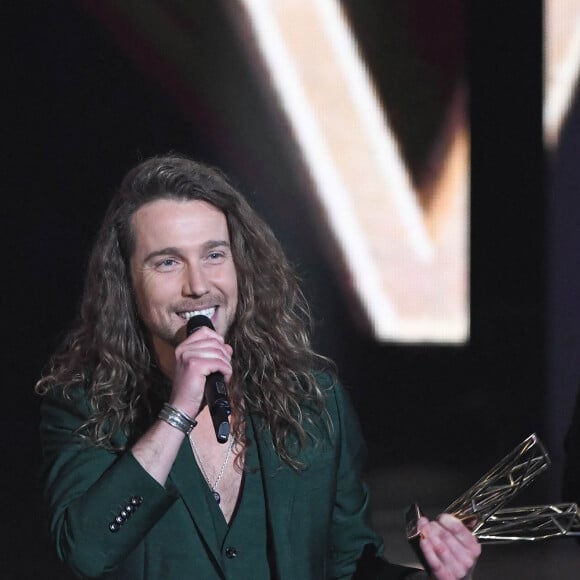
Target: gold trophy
<point x="481" y="508"/>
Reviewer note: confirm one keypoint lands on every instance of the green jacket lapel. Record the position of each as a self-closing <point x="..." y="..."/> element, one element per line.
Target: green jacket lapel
<point x="279" y="490"/>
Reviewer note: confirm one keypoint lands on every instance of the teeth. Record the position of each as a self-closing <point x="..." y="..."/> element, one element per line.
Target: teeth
<point x="209" y="312"/>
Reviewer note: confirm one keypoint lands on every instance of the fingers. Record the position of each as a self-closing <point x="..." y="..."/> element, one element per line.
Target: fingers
<point x="202" y="353"/>
<point x="206" y="349"/>
<point x="450" y="549"/>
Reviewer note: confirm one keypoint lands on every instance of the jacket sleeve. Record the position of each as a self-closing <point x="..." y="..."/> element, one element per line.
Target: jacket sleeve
<point x="100" y="504"/>
<point x="355" y="548"/>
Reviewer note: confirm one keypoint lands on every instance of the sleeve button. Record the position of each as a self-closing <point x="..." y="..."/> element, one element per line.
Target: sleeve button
<point x="114" y="527"/>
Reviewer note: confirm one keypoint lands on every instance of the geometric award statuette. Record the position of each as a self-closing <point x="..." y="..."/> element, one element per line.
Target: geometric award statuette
<point x="481" y="507"/>
<point x="531" y="524"/>
<point x="498" y="487"/>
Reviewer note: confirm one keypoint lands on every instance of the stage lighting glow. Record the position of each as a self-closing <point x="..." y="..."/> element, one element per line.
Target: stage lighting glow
<point x="561" y="63"/>
<point x="407" y="262"/>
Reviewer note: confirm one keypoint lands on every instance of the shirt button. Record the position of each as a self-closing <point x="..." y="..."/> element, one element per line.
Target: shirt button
<point x="231" y="552"/>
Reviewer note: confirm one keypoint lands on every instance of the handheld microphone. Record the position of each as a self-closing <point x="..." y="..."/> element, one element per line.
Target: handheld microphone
<point x="216" y="395"/>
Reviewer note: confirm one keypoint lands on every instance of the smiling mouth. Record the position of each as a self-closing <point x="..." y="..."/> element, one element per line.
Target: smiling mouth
<point x="209" y="312"/>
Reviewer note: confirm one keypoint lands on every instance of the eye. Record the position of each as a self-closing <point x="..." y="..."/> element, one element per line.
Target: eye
<point x="167" y="264"/>
<point x="216" y="257"/>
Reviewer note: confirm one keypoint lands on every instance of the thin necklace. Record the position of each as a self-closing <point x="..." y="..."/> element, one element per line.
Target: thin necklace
<point x="216" y="495"/>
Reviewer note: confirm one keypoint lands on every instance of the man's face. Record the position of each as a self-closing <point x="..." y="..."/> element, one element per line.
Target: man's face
<point x="182" y="265"/>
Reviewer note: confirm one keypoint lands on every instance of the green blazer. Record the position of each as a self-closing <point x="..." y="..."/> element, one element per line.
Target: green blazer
<point x="317" y="519"/>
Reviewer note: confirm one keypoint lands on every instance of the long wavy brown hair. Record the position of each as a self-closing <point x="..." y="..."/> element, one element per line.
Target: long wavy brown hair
<point x="108" y="349"/>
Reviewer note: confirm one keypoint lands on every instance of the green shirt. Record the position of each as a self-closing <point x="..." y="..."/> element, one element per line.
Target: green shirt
<point x="244" y="556"/>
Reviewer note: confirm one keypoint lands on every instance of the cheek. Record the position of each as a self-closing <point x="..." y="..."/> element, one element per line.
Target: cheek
<point x="138" y="296"/>
<point x="144" y="307"/>
<point x="234" y="281"/>
<point x="148" y="295"/>
<point x="233" y="284"/>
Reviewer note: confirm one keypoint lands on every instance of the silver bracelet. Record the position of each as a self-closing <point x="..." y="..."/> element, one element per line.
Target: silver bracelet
<point x="177" y="419"/>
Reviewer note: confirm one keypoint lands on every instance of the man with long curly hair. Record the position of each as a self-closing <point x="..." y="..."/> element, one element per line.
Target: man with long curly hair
<point x="137" y="484"/>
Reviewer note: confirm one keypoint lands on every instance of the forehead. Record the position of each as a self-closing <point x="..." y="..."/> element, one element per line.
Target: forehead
<point x="175" y="222"/>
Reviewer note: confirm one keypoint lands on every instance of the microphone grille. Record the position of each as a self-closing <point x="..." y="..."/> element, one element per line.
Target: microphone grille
<point x="198" y="321"/>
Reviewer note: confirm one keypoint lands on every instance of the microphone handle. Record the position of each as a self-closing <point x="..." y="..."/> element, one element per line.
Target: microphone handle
<point x="219" y="406"/>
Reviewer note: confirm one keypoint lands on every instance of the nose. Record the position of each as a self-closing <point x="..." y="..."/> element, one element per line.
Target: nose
<point x="195" y="282"/>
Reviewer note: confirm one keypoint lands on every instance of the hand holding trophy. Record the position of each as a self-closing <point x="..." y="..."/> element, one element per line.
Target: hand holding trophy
<point x="481" y="508"/>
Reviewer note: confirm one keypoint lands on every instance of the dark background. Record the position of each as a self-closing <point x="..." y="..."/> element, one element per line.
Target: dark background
<point x="80" y="108"/>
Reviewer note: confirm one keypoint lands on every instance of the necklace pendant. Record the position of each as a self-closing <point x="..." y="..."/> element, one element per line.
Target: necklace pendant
<point x="216" y="496"/>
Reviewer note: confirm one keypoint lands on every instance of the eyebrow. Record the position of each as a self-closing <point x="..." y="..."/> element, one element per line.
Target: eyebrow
<point x="174" y="251"/>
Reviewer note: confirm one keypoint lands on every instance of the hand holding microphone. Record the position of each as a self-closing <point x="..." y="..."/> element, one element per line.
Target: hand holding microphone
<point x="215" y="391"/>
